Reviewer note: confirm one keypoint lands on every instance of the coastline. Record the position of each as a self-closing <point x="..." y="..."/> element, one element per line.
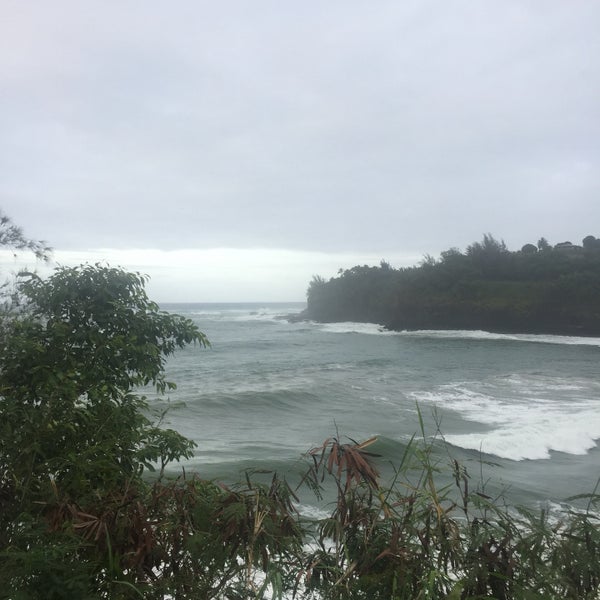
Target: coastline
<point x="407" y="324"/>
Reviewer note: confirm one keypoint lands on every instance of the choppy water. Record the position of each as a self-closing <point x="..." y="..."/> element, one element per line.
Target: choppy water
<point x="269" y="390"/>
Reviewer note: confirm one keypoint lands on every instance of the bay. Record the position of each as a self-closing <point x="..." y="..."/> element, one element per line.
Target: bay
<point x="522" y="412"/>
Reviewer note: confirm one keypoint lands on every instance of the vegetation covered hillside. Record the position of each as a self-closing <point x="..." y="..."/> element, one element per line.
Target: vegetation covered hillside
<point x="537" y="289"/>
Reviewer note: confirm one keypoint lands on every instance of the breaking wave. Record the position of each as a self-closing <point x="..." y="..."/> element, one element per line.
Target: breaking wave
<point x="521" y="417"/>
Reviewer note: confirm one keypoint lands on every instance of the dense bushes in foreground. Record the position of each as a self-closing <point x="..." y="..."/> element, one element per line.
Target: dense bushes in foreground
<point x="87" y="510"/>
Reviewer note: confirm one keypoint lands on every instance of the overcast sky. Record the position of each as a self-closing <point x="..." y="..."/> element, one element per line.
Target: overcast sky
<point x="233" y="149"/>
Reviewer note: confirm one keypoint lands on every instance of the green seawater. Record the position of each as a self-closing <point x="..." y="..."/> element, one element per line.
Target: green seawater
<point x="522" y="412"/>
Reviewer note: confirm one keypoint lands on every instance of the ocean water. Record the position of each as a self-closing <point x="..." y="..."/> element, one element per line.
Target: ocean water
<point x="522" y="412"/>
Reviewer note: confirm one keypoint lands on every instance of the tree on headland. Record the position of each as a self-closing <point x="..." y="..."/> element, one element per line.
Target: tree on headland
<point x="553" y="290"/>
<point x="529" y="249"/>
<point x="591" y="243"/>
<point x="450" y="255"/>
<point x="489" y="246"/>
<point x="543" y="245"/>
<point x="427" y="261"/>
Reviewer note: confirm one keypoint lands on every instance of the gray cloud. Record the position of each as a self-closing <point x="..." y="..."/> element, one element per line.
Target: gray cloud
<point x="336" y="126"/>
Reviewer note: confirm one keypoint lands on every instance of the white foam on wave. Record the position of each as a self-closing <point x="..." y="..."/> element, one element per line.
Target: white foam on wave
<point x="313" y="512"/>
<point x="260" y="313"/>
<point x="538" y="384"/>
<point x="464" y="334"/>
<point x="513" y="337"/>
<point x="351" y="327"/>
<point x="525" y="416"/>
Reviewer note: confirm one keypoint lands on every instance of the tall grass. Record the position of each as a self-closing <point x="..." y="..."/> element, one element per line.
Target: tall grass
<point x="413" y="538"/>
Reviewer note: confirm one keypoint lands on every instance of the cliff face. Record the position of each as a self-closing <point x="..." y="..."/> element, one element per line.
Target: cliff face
<point x="496" y="290"/>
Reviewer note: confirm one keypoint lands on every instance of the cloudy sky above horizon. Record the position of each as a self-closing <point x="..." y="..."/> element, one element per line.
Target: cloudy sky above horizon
<point x="232" y="150"/>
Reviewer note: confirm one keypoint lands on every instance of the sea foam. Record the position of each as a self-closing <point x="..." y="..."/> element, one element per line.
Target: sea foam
<point x="512" y="337"/>
<point x="351" y="327"/>
<point x="522" y="417"/>
<point x="465" y="334"/>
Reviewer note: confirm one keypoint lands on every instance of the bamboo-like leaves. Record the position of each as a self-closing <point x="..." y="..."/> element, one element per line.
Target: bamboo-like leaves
<point x="349" y="462"/>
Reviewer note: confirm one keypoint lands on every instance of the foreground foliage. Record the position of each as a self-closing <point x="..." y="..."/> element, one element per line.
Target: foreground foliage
<point x="87" y="510"/>
<point x="413" y="539"/>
